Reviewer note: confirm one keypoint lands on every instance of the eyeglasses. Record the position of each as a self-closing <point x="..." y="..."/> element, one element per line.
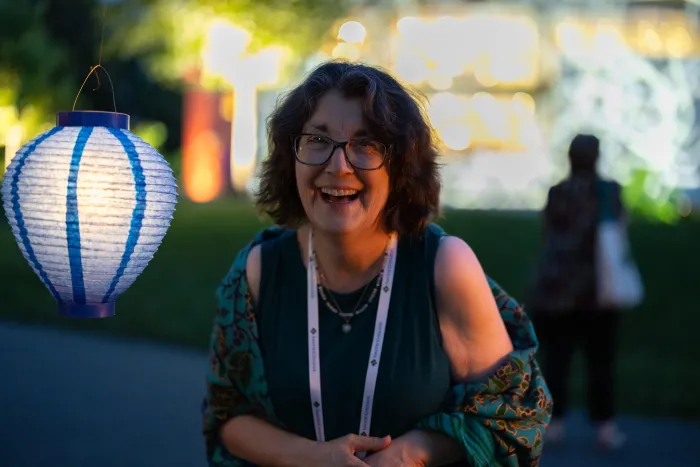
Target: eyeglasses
<point x="361" y="153"/>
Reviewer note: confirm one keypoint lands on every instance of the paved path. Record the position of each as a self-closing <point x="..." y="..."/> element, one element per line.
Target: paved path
<point x="80" y="400"/>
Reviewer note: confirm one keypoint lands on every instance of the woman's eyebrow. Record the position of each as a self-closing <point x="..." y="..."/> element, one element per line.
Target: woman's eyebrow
<point x="323" y="128"/>
<point x="362" y="133"/>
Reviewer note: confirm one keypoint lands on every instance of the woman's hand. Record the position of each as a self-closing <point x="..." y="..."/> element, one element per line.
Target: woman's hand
<point x="397" y="455"/>
<point x="418" y="448"/>
<point x="409" y="450"/>
<point x="341" y="451"/>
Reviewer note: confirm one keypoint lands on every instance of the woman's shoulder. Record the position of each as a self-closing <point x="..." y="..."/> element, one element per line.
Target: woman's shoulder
<point x="251" y="250"/>
<point x="453" y="253"/>
<point x="266" y="241"/>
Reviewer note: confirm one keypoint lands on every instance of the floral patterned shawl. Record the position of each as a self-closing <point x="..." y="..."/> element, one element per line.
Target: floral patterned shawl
<point x="499" y="420"/>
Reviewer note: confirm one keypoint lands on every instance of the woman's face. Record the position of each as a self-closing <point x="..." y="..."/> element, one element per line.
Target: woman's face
<point x="360" y="195"/>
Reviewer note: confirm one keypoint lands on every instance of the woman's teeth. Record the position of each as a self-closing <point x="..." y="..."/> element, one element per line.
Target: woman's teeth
<point x="334" y="192"/>
<point x="332" y="195"/>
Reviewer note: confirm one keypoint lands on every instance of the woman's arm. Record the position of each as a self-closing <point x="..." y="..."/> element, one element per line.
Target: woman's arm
<point x="475" y="340"/>
<point x="499" y="405"/>
<point x="262" y="443"/>
<point x="474" y="335"/>
<point x="252" y="438"/>
<point x="246" y="436"/>
<point x="253" y="271"/>
<point x="235" y="408"/>
<point x="265" y="445"/>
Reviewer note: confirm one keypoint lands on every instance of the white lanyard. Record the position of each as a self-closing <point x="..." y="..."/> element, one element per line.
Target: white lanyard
<point x="375" y="352"/>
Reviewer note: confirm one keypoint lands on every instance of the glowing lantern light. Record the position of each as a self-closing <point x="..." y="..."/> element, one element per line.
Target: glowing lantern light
<point x="89" y="203"/>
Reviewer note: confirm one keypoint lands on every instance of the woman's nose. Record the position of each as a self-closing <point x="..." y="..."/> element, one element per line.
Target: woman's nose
<point x="338" y="162"/>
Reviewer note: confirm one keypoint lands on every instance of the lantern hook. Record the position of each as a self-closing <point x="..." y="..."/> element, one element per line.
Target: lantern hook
<point x="93" y="70"/>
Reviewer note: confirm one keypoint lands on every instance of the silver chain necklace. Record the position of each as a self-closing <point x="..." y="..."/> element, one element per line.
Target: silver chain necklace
<point x="334" y="307"/>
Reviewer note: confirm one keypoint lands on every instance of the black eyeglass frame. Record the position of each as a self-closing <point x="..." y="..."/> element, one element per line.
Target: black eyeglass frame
<point x="343" y="146"/>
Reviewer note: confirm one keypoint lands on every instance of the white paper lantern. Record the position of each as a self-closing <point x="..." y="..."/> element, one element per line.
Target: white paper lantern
<point x="89" y="203"/>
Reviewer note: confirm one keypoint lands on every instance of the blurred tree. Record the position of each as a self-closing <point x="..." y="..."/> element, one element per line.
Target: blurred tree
<point x="172" y="32"/>
<point x="34" y="79"/>
<point x="47" y="48"/>
<point x="136" y="92"/>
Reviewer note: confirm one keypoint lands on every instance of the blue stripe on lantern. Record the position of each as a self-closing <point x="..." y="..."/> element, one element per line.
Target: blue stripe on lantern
<point x="139" y="209"/>
<point x="19" y="218"/>
<point x="72" y="219"/>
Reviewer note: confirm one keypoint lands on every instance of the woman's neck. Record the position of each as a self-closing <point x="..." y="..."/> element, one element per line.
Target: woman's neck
<point x="348" y="261"/>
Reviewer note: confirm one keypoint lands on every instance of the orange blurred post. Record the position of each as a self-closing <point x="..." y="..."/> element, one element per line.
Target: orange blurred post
<point x="206" y="137"/>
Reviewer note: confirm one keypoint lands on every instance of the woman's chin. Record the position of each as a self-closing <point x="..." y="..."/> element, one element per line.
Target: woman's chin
<point x="336" y="226"/>
<point x="338" y="218"/>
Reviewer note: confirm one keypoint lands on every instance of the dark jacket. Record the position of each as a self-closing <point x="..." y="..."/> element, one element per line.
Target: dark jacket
<point x="565" y="278"/>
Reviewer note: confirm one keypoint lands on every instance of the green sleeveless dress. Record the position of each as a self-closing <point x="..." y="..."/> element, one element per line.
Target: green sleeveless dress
<point x="414" y="374"/>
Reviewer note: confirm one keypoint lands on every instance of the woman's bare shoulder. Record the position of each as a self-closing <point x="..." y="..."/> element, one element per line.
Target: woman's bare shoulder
<point x="253" y="271"/>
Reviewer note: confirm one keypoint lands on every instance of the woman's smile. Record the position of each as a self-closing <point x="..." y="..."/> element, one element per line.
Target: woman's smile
<point x="338" y="195"/>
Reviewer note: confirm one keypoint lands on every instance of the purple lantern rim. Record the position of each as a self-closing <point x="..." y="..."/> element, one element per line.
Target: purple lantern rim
<point x="94" y="310"/>
<point x="93" y="118"/>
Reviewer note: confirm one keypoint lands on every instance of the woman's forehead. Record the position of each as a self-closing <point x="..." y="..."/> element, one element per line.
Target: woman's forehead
<point x="338" y="116"/>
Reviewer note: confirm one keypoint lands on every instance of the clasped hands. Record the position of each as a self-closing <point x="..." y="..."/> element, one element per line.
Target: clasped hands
<point x="409" y="450"/>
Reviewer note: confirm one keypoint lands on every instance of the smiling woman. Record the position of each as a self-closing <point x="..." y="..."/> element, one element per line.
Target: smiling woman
<point x="342" y="184"/>
<point x="382" y="131"/>
<point x="357" y="332"/>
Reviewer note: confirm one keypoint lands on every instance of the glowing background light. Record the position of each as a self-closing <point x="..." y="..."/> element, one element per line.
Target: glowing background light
<point x="507" y="88"/>
<point x="352" y="32"/>
<point x="482" y="119"/>
<point x="13" y="141"/>
<point x="494" y="48"/>
<point x="206" y="133"/>
<point x="226" y="55"/>
<point x="347" y="51"/>
<point x="642" y="108"/>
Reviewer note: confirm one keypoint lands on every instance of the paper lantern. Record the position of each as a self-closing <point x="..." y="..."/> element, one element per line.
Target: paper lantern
<point x="89" y="203"/>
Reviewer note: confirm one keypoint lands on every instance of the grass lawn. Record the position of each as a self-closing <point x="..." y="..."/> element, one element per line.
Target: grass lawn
<point x="174" y="298"/>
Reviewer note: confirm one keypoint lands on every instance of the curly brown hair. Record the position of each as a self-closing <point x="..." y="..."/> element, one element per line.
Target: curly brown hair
<point x="395" y="116"/>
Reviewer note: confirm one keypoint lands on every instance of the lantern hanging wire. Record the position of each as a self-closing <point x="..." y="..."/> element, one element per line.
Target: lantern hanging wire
<point x="94" y="68"/>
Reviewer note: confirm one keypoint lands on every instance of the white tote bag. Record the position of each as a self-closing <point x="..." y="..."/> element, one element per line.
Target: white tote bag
<point x="619" y="282"/>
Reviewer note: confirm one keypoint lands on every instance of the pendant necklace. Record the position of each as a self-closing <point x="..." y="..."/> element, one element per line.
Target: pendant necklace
<point x="334" y="307"/>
